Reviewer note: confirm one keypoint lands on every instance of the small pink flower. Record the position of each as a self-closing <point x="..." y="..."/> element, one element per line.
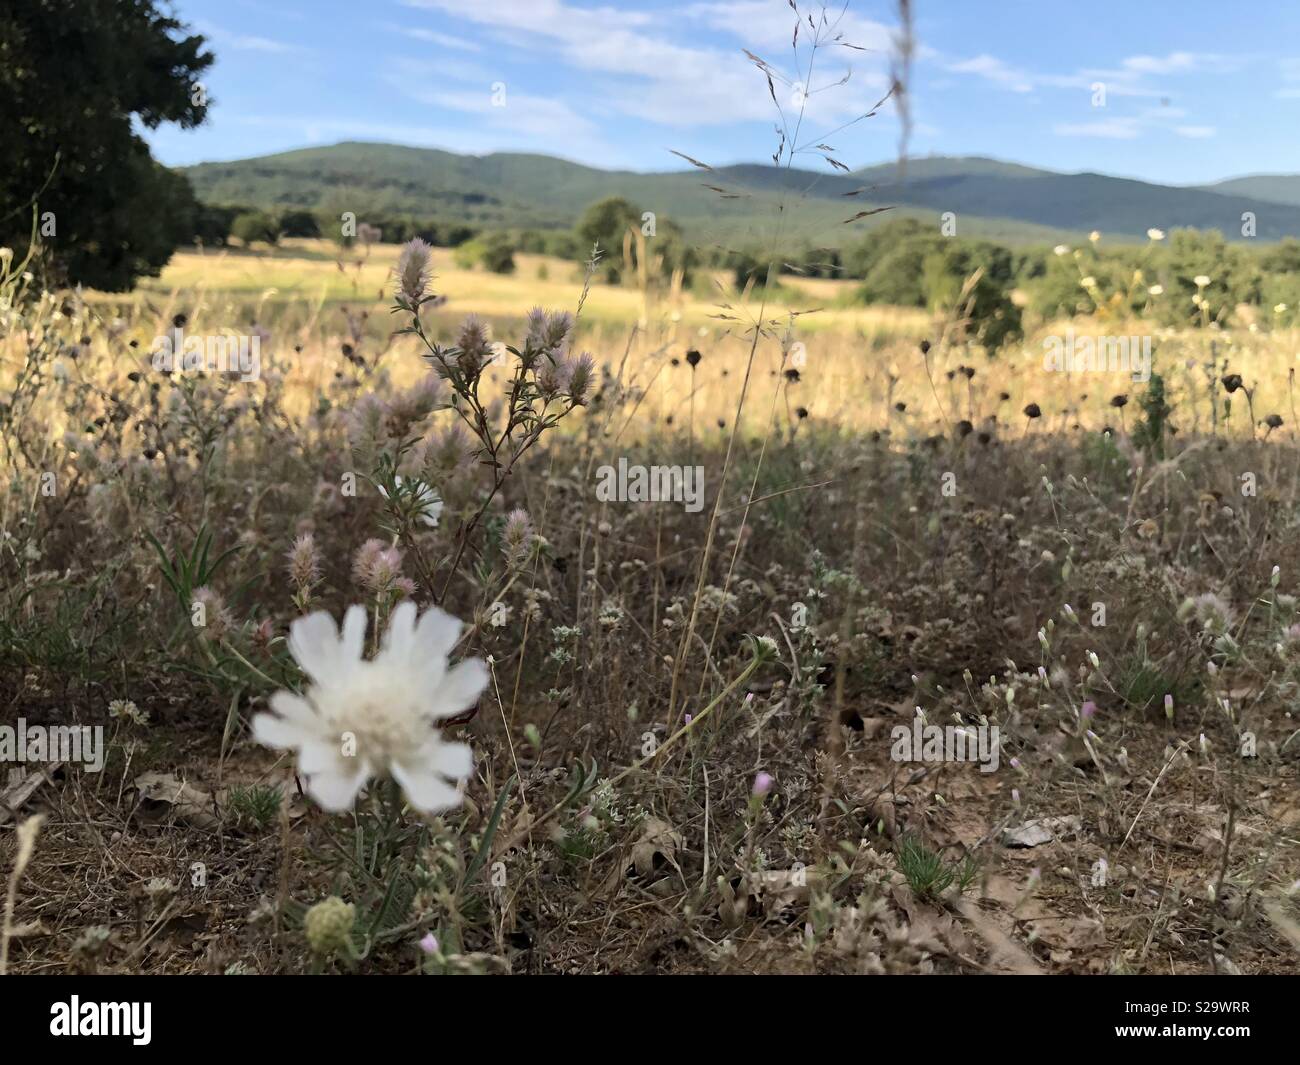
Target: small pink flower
<point x="1087" y="710"/>
<point x="762" y="784"/>
<point x="429" y="944"/>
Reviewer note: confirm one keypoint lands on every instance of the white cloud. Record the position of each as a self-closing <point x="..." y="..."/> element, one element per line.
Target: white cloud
<point x="541" y="116"/>
<point x="1126" y="80"/>
<point x="1195" y="132"/>
<point x="761" y="24"/>
<point x="520" y="119"/>
<point x="1181" y="63"/>
<point x="639" y="71"/>
<point x="443" y="40"/>
<point x="993" y="69"/>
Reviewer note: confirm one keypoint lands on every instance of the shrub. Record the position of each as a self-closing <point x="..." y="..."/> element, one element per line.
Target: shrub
<point x="254" y="226"/>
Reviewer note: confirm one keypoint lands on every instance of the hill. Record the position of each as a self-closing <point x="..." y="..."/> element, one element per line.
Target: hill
<point x="1005" y="201"/>
<point x="1276" y="188"/>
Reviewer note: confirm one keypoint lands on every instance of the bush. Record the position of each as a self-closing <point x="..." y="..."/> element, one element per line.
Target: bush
<point x="299" y="224"/>
<point x="254" y="226"/>
<point x="212" y="223"/>
<point x="994" y="318"/>
<point x="493" y="252"/>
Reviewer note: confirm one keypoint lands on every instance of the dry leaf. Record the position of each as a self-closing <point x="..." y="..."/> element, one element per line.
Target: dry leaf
<point x="658" y="838"/>
<point x="1040" y="830"/>
<point x="782" y="889"/>
<point x="188" y="802"/>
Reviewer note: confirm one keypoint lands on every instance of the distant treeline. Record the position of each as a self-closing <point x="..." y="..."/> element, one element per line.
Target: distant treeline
<point x="216" y="224"/>
<point x="1187" y="277"/>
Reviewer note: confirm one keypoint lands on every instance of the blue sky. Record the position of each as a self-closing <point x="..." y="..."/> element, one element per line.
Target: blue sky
<point x="1194" y="91"/>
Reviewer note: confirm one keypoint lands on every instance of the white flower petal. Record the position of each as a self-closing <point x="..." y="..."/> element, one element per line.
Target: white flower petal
<point x="399" y="639"/>
<point x="454" y="760"/>
<point x="294" y="708"/>
<point x="460" y="689"/>
<point x="319" y="755"/>
<point x="353" y="643"/>
<point x="337" y="791"/>
<point x="272" y="731"/>
<point x="425" y="789"/>
<point x="437" y="634"/>
<point x="314" y="642"/>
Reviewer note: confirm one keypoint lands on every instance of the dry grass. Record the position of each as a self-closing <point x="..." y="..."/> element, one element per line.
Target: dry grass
<point x="912" y="596"/>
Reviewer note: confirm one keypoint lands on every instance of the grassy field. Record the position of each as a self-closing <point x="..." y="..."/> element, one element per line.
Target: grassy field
<point x="856" y="364"/>
<point x="685" y="728"/>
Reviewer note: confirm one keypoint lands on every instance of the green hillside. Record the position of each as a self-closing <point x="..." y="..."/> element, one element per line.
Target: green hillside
<point x="1003" y="201"/>
<point x="1276" y="188"/>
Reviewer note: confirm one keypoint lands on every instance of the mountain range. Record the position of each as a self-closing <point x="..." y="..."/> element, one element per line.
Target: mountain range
<point x="990" y="198"/>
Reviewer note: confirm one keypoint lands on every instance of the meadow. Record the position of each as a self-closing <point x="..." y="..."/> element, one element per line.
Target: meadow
<point x="671" y="739"/>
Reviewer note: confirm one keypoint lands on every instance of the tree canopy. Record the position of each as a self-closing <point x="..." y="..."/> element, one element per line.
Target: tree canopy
<point x="75" y="76"/>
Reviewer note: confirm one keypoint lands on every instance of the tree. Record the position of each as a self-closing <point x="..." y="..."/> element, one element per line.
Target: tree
<point x="254" y="226"/>
<point x="493" y="251"/>
<point x="212" y="223"/>
<point x="606" y="222"/>
<point x="993" y="318"/>
<point x="74" y="76"/>
<point x="299" y="224"/>
<point x="862" y="257"/>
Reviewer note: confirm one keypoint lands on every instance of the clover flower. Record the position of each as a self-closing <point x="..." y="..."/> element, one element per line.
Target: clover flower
<point x="517" y="537"/>
<point x="304" y="563"/>
<point x="413" y="271"/>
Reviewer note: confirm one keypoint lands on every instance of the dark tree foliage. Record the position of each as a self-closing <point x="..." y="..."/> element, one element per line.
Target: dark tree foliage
<point x="74" y="76"/>
<point x="256" y="225"/>
<point x="299" y="224"/>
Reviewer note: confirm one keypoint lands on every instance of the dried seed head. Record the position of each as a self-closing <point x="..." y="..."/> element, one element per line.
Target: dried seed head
<point x="414" y="271"/>
<point x="580" y="373"/>
<point x="517" y="537"/>
<point x="304" y="563"/>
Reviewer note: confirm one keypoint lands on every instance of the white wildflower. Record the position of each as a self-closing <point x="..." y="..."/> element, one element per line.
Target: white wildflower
<point x="428" y="505"/>
<point x="362" y="718"/>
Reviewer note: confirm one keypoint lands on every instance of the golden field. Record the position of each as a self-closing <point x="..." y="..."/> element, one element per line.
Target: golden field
<point x="856" y="364"/>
